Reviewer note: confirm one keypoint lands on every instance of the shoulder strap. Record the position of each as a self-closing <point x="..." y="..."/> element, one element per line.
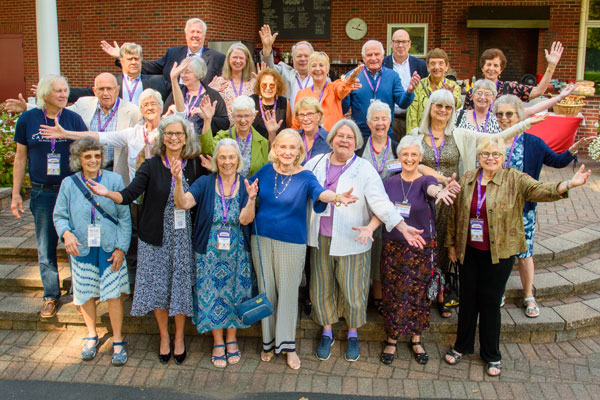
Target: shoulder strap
<point x="317" y="163"/>
<point x="230" y="136"/>
<point x="461" y="114"/>
<point x="90" y="198"/>
<point x="262" y="272"/>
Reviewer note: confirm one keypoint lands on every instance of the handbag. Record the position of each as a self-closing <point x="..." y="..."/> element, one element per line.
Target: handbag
<point x="451" y="298"/>
<point x="258" y="307"/>
<point x="436" y="280"/>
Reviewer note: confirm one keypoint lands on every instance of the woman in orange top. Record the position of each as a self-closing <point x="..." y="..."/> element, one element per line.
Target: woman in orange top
<point x="329" y="94"/>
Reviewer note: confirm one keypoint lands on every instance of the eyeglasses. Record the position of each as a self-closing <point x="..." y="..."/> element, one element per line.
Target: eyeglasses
<point x="268" y="85"/>
<point x="146" y="105"/>
<point x="481" y="93"/>
<point x="90" y="156"/>
<point x="309" y="115"/>
<point x="400" y="42"/>
<point x="245" y="116"/>
<point x="444" y="106"/>
<point x="495" y="154"/>
<point x="178" y="134"/>
<point x="508" y="115"/>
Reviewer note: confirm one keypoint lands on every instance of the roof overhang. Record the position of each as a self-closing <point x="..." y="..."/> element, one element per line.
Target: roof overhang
<point x="512" y="17"/>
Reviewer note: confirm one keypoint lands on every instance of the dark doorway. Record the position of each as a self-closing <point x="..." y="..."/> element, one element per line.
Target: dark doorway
<point x="520" y="47"/>
<point x="12" y="78"/>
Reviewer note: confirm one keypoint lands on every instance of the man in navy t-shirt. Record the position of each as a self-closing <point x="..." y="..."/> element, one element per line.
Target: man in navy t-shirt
<point x="48" y="161"/>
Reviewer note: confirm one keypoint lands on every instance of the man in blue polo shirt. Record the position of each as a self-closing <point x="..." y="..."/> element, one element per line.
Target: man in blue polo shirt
<point x="48" y="165"/>
<point x="379" y="83"/>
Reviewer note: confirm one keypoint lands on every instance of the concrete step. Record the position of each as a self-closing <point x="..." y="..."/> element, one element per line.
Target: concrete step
<point x="22" y="276"/>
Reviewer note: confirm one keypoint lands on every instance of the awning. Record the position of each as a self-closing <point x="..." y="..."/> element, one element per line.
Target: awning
<point x="508" y="17"/>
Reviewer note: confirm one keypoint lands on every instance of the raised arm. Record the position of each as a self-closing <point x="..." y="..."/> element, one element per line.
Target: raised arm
<point x="183" y="200"/>
<point x="553" y="58"/>
<point x="546" y="104"/>
<point x="248" y="213"/>
<point x="58" y="132"/>
<point x="177" y="93"/>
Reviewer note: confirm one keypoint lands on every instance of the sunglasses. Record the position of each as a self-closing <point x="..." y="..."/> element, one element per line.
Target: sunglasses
<point x="508" y="115"/>
<point x="268" y="85"/>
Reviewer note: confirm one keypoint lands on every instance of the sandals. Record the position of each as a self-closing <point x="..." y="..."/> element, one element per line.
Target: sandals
<point x="378" y="303"/>
<point x="531" y="311"/>
<point x="421" y="358"/>
<point x="494" y="365"/>
<point x="120" y="358"/>
<point x="219" y="361"/>
<point x="88" y="353"/>
<point x="455" y="355"/>
<point x="293" y="363"/>
<point x="441" y="306"/>
<point x="388" y="358"/>
<point x="231" y="356"/>
<point x="267" y="356"/>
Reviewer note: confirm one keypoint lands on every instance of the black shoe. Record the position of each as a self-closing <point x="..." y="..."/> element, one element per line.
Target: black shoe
<point x="180" y="358"/>
<point x="421" y="358"/>
<point x="164" y="358"/>
<point x="388" y="358"/>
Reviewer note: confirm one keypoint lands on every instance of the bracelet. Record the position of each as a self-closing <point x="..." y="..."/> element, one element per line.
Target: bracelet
<point x="550" y="70"/>
<point x="568" y="185"/>
<point x="336" y="201"/>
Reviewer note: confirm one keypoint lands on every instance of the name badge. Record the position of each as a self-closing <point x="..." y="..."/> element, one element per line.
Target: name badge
<point x="93" y="236"/>
<point x="476" y="230"/>
<point x="53" y="164"/>
<point x="394" y="167"/>
<point x="403" y="209"/>
<point x="179" y="219"/>
<point x="223" y="239"/>
<point x="327" y="212"/>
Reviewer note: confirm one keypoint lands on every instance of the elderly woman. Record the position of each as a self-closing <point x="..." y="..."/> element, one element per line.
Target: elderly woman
<point x="237" y="76"/>
<point x="309" y="113"/>
<point x="253" y="146"/>
<point x="97" y="265"/>
<point x="485" y="230"/>
<point x="329" y="94"/>
<point x="528" y="153"/>
<point x="164" y="278"/>
<point x="339" y="264"/>
<point x="188" y="95"/>
<point x="437" y="66"/>
<point x="480" y="118"/>
<point x="269" y="89"/>
<point x="493" y="61"/>
<point x="221" y="242"/>
<point x="279" y="243"/>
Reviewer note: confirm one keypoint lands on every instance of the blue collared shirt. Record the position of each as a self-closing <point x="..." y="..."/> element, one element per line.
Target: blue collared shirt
<point x="110" y="127"/>
<point x="128" y="83"/>
<point x="320" y="145"/>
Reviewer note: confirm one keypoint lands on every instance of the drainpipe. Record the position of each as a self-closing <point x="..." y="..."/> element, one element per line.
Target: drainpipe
<point x="47" y="37"/>
<point x="582" y="40"/>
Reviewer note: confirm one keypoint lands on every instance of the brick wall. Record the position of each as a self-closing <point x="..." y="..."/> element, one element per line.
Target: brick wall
<point x="590" y="112"/>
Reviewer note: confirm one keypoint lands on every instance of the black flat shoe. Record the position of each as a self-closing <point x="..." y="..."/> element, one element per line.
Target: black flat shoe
<point x="421" y="358"/>
<point x="164" y="358"/>
<point x="180" y="358"/>
<point x="388" y="358"/>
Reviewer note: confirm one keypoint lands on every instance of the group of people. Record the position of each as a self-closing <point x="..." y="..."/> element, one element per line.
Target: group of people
<point x="206" y="179"/>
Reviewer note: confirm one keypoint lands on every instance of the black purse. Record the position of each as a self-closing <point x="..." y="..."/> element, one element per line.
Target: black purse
<point x="436" y="281"/>
<point x="452" y="296"/>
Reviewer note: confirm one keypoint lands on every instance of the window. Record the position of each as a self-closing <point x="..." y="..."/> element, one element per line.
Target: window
<point x="418" y="38"/>
<point x="588" y="61"/>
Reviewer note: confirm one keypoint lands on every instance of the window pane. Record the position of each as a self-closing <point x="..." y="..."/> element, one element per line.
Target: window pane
<point x="592" y="55"/>
<point x="594" y="10"/>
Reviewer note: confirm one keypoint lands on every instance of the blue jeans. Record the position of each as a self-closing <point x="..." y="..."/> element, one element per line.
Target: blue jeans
<point x="42" y="206"/>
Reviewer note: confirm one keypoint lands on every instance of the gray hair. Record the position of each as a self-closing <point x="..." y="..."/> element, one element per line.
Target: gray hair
<point x="130" y="48"/>
<point x="512" y="100"/>
<point x="368" y="42"/>
<point x="486" y="142"/>
<point x="79" y="147"/>
<point x="44" y="87"/>
<point x="190" y="149"/>
<point x="195" y="21"/>
<point x="155" y="96"/>
<point x="303" y="42"/>
<point x="378" y="105"/>
<point x="409" y="141"/>
<point x="198" y="65"/>
<point x="352" y="125"/>
<point x="446" y="98"/>
<point x="485" y="84"/>
<point x="243" y="103"/>
<point x="223" y="143"/>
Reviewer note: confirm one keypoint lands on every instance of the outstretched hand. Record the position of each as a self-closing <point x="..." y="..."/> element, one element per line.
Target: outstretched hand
<point x="412" y="235"/>
<point x="97" y="188"/>
<point x="261" y="66"/>
<point x="414" y="82"/>
<point x="270" y="121"/>
<point x="267" y="39"/>
<point x="355" y="72"/>
<point x="536" y="119"/>
<point x="53" y="132"/>
<point x="207" y="108"/>
<point x="16" y="106"/>
<point x="364" y="234"/>
<point x="452" y="185"/>
<point x="580" y="177"/>
<point x="553" y="57"/>
<point x="348" y="198"/>
<point x="112" y="51"/>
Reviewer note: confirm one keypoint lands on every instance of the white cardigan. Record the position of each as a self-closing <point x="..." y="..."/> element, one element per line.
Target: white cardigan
<point x="372" y="199"/>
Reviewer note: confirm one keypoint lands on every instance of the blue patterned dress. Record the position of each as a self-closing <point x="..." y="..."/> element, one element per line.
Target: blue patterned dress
<point x="223" y="277"/>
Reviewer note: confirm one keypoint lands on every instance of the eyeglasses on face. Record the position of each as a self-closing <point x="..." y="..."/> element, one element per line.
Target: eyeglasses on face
<point x="444" y="106"/>
<point x="151" y="104"/>
<point x="482" y="93"/>
<point x="268" y="85"/>
<point x="494" y="154"/>
<point x="400" y="42"/>
<point x="243" y="116"/>
<point x="508" y="114"/>
<point x="178" y="134"/>
<point x="308" y="115"/>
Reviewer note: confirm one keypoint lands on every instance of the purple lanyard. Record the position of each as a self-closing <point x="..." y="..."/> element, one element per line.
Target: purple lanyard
<point x="480" y="200"/>
<point x="110" y="117"/>
<point x="487" y="118"/>
<point x="300" y="84"/>
<point x="248" y="139"/>
<point x="183" y="162"/>
<point x="312" y="89"/>
<point x="429" y="91"/>
<point x="147" y="153"/>
<point x="436" y="154"/>
<point x="385" y="154"/>
<point x="52" y="141"/>
<point x="225" y="204"/>
<point x="308" y="152"/>
<point x="371" y="84"/>
<point x="84" y="182"/>
<point x="188" y="107"/>
<point x="512" y="149"/>
<point x="262" y="109"/>
<point x="241" y="87"/>
<point x="131" y="91"/>
<point x="335" y="178"/>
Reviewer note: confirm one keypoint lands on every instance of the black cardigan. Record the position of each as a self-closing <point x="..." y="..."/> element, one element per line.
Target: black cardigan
<point x="154" y="180"/>
<point x="220" y="120"/>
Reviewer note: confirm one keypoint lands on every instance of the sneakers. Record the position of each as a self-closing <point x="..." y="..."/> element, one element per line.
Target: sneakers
<point x="324" y="348"/>
<point x="353" y="350"/>
<point x="49" y="308"/>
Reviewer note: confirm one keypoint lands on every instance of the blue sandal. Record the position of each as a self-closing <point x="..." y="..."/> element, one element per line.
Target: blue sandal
<point x="88" y="353"/>
<point x="120" y="358"/>
<point x="234" y="354"/>
<point x="214" y="358"/>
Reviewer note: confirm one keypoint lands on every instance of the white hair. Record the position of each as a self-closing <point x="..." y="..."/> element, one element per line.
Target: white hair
<point x="443" y="97"/>
<point x="352" y="125"/>
<point x="44" y="87"/>
<point x="409" y="141"/>
<point x="151" y="93"/>
<point x="243" y="103"/>
<point x="378" y="105"/>
<point x="192" y="21"/>
<point x="368" y="42"/>
<point x="303" y="42"/>
<point x="485" y="84"/>
<point x="222" y="143"/>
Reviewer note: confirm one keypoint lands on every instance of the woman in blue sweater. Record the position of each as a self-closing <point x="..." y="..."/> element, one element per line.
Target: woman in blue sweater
<point x="528" y="153"/>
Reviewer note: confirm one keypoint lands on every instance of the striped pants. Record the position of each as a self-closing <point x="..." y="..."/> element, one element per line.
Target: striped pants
<point x="339" y="285"/>
<point x="282" y="263"/>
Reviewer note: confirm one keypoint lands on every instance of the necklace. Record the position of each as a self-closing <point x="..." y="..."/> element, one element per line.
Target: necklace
<point x="278" y="193"/>
<point x="405" y="194"/>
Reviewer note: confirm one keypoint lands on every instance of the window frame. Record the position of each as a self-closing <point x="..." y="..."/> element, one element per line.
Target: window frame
<point x="395" y="26"/>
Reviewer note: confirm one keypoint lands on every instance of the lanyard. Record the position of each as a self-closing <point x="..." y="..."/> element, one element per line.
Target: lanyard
<point x="376" y="88"/>
<point x="480" y="200"/>
<point x="429" y="91"/>
<point x="223" y="202"/>
<point x="328" y="182"/>
<point x="487" y="118"/>
<point x="405" y="195"/>
<point x="312" y="89"/>
<point x="189" y="107"/>
<point x="262" y="108"/>
<point x="512" y="149"/>
<point x="147" y="153"/>
<point x="436" y="154"/>
<point x="248" y="139"/>
<point x="131" y="92"/>
<point x="302" y="85"/>
<point x="110" y="116"/>
<point x="308" y="152"/>
<point x="84" y="181"/>
<point x="237" y="94"/>
<point x="374" y="158"/>
<point x="183" y="162"/>
<point x="52" y="141"/>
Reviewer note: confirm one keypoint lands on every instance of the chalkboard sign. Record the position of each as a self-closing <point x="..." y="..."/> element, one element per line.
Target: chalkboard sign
<point x="297" y="19"/>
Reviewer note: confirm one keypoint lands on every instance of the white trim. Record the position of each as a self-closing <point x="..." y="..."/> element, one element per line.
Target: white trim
<point x="395" y="26"/>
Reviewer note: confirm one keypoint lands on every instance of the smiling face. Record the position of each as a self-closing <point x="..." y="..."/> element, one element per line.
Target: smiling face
<point x="188" y="77"/>
<point x="440" y="113"/>
<point x="242" y="119"/>
<point x="194" y="36"/>
<point x="410" y="157"/>
<point x="58" y="95"/>
<point x="492" y="69"/>
<point x="491" y="159"/>
<point x="309" y="119"/>
<point x="483" y="99"/>
<point x="300" y="58"/>
<point x="106" y="90"/>
<point x="379" y="124"/>
<point x="91" y="161"/>
<point x="507" y="116"/>
<point x="319" y="69"/>
<point x="373" y="57"/>
<point x="268" y="87"/>
<point x="287" y="150"/>
<point x="227" y="161"/>
<point x="151" y="110"/>
<point x="343" y="143"/>
<point x="437" y="68"/>
<point x="174" y="137"/>
<point x="237" y="60"/>
<point x="400" y="44"/>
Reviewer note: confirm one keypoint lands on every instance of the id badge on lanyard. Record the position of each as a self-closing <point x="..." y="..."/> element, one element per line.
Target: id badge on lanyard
<point x="179" y="218"/>
<point x="93" y="235"/>
<point x="224" y="239"/>
<point x="403" y="208"/>
<point x="476" y="226"/>
<point x="327" y="212"/>
<point x="53" y="164"/>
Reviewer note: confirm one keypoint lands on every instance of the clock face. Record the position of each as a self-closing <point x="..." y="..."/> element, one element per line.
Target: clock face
<point x="356" y="28"/>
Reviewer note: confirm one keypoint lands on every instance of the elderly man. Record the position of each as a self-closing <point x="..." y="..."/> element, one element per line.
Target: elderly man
<point x="405" y="65"/>
<point x="131" y="80"/>
<point x="48" y="161"/>
<point x="195" y="33"/>
<point x="296" y="77"/>
<point x="378" y="83"/>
